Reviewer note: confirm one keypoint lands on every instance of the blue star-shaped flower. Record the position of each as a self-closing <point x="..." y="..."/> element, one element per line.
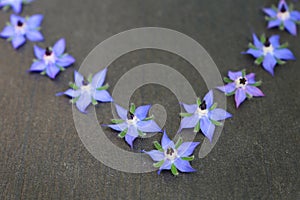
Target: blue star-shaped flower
<point x="269" y="52"/>
<point x="170" y="156"/>
<point x="204" y="115"/>
<point x="51" y="61"/>
<point x="85" y="93"/>
<point x="134" y="123"/>
<point x="283" y="17"/>
<point x="15" y="4"/>
<point x="21" y="28"/>
<point x="242" y="85"/>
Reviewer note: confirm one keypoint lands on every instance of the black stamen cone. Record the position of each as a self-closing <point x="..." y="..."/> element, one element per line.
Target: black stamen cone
<point x="267" y="43"/>
<point x="243" y="81"/>
<point x="130" y="115"/>
<point x="19" y="23"/>
<point x="283" y="9"/>
<point x="48" y="51"/>
<point x="203" y="105"/>
<point x="170" y="151"/>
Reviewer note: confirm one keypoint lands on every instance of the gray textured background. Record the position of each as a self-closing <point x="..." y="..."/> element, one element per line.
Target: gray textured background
<point x="42" y="157"/>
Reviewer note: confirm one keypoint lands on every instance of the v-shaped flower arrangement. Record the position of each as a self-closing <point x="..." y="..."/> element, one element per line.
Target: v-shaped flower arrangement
<point x="202" y="116"/>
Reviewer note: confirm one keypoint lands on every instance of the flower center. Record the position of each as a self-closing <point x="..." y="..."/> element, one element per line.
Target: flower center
<point x="241" y="82"/>
<point x="86" y="88"/>
<point x="132" y="120"/>
<point x="20" y="27"/>
<point x="268" y="48"/>
<point x="49" y="56"/>
<point x="171" y="153"/>
<point x="202" y="109"/>
<point x="283" y="14"/>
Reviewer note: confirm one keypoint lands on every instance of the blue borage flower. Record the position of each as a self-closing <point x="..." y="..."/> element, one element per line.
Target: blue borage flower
<point x="51" y="61"/>
<point x="15" y="4"/>
<point x="242" y="85"/>
<point x="21" y="28"/>
<point x="283" y="17"/>
<point x="170" y="156"/>
<point x="269" y="52"/>
<point x="134" y="123"/>
<point x="203" y="115"/>
<point x="85" y="93"/>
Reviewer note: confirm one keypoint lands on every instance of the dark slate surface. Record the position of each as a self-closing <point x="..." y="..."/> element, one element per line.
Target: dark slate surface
<point x="42" y="157"/>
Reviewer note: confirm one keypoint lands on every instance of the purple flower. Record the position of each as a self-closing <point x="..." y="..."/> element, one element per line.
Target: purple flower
<point x="242" y="85"/>
<point x="170" y="156"/>
<point x="283" y="17"/>
<point x="269" y="52"/>
<point x="21" y="28"/>
<point x="204" y="115"/>
<point x="134" y="123"/>
<point x="15" y="4"/>
<point x="51" y="60"/>
<point x="85" y="93"/>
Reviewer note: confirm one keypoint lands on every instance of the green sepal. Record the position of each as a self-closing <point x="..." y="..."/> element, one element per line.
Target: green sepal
<point x="158" y="164"/>
<point x="280" y="62"/>
<point x="61" y="68"/>
<point x="8" y="24"/>
<point x="90" y="78"/>
<point x="174" y="170"/>
<point x="43" y="73"/>
<point x="9" y="39"/>
<point x="198" y="101"/>
<point x="258" y="83"/>
<point x="216" y="123"/>
<point x="213" y="106"/>
<point x="227" y="80"/>
<point x="94" y="102"/>
<point x="291" y="7"/>
<point x="104" y="87"/>
<point x="197" y="128"/>
<point x="259" y="60"/>
<point x="158" y="146"/>
<point x="73" y="86"/>
<point x="297" y="22"/>
<point x="249" y="96"/>
<point x="74" y="100"/>
<point x="148" y="118"/>
<point x="269" y="18"/>
<point x="263" y="38"/>
<point x="178" y="143"/>
<point x="243" y="72"/>
<point x="251" y="46"/>
<point x="117" y="121"/>
<point x="281" y="27"/>
<point x="185" y="114"/>
<point x="123" y="133"/>
<point x="188" y="158"/>
<point x="5" y="8"/>
<point x="230" y="94"/>
<point x="274" y="8"/>
<point x="284" y="45"/>
<point x="142" y="134"/>
<point x="132" y="108"/>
